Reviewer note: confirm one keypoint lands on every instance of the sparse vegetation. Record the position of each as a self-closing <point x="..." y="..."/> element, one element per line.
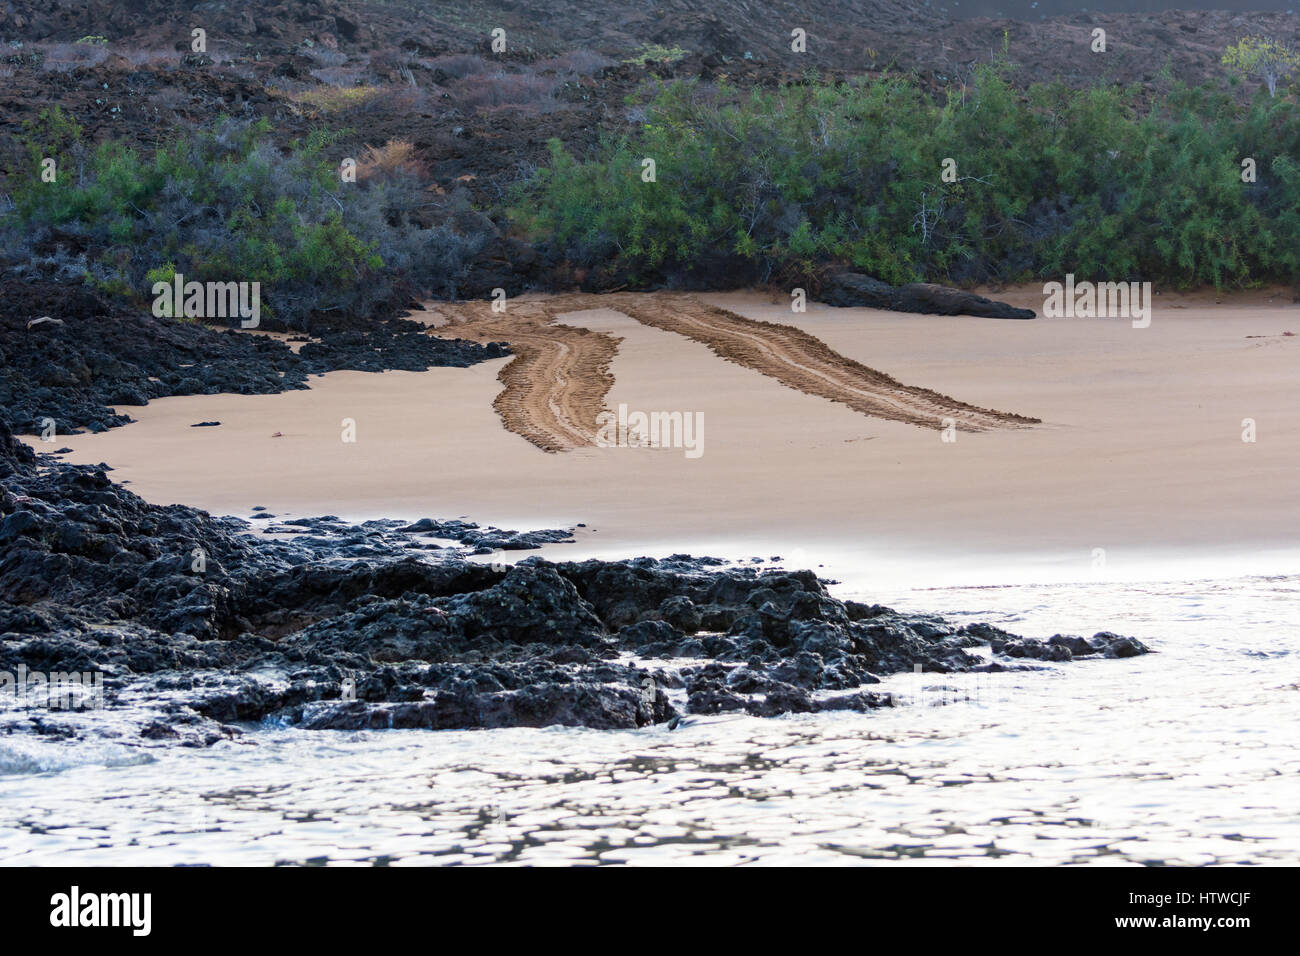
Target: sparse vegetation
<point x="1263" y="57"/>
<point x="505" y="90"/>
<point x="328" y="100"/>
<point x="657" y="53"/>
<point x="226" y="205"/>
<point x="394" y="160"/>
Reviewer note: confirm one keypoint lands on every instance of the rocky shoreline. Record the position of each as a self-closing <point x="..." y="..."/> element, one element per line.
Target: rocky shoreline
<point x="67" y="354"/>
<point x="194" y="628"/>
<point x="205" y="627"/>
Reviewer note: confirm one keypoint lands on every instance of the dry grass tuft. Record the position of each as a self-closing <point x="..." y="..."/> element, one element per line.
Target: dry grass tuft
<point x="395" y="158"/>
<point x="329" y="100"/>
<point x="505" y="91"/>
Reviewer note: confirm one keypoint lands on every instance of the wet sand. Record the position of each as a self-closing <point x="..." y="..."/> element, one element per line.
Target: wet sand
<point x="1139" y="452"/>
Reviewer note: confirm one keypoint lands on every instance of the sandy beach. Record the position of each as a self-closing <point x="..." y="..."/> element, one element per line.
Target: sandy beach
<point x="1139" y="451"/>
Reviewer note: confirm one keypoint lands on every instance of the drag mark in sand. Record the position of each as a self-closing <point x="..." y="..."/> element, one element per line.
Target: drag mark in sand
<point x="805" y="363"/>
<point x="555" y="386"/>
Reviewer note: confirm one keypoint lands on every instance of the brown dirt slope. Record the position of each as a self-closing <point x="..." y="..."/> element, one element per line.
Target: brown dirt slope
<point x="851" y="35"/>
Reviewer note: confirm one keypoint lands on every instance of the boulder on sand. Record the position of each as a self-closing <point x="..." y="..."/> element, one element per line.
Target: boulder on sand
<point x="845" y="289"/>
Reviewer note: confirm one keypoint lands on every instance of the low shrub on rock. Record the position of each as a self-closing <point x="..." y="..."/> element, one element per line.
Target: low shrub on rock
<point x="226" y="205"/>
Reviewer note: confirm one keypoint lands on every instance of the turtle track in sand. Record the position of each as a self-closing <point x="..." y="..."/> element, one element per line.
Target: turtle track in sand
<point x="555" y="386"/>
<point x="807" y="364"/>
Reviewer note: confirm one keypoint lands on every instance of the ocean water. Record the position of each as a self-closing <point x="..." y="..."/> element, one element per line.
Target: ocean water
<point x="1184" y="756"/>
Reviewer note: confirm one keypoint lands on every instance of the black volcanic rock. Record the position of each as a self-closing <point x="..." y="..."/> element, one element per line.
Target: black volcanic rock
<point x="72" y="372"/>
<point x="196" y="625"/>
<point x="845" y="289"/>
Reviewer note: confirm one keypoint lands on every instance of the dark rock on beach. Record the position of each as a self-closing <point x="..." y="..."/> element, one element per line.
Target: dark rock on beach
<point x="845" y="289"/>
<point x="70" y="372"/>
<point x="469" y="533"/>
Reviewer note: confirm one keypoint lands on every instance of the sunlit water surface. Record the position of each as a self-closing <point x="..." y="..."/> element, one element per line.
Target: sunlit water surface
<point x="1185" y="756"/>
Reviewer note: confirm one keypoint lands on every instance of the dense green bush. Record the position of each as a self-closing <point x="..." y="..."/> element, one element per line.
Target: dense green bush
<point x="224" y="205"/>
<point x="774" y="183"/>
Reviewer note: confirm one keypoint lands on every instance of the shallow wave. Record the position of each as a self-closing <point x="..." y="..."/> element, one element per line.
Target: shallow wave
<point x="22" y="755"/>
<point x="1182" y="756"/>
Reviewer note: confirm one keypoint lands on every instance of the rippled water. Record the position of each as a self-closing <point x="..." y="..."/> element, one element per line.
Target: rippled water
<point x="1184" y="756"/>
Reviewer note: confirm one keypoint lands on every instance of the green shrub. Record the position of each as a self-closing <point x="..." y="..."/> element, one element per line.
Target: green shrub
<point x="226" y="205"/>
<point x="777" y="182"/>
<point x="656" y="53"/>
<point x="1263" y="57"/>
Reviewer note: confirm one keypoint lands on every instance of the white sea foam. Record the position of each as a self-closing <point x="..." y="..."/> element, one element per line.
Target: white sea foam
<point x="1186" y="755"/>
